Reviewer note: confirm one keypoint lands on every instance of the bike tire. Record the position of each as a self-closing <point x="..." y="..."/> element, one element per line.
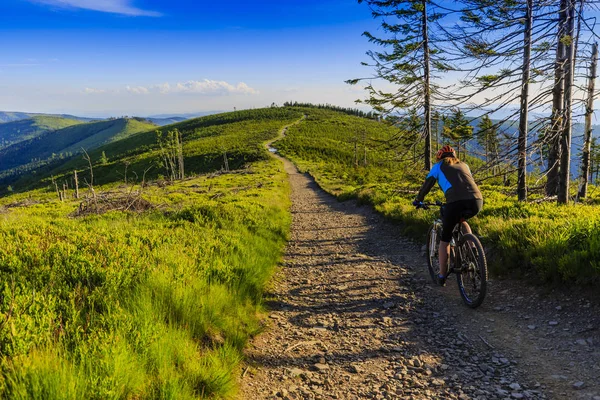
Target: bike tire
<point x="473" y="273"/>
<point x="433" y="258"/>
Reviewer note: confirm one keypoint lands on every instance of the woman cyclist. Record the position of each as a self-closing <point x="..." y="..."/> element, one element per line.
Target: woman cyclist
<point x="463" y="199"/>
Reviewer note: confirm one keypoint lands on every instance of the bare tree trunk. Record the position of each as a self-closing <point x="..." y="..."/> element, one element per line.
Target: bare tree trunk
<point x="226" y="161"/>
<point x="427" y="99"/>
<point x="56" y="187"/>
<point x="589" y="111"/>
<point x="565" y="160"/>
<point x="180" y="156"/>
<point x="365" y="147"/>
<point x="522" y="144"/>
<point x="76" y="184"/>
<point x="356" y="150"/>
<point x="557" y="121"/>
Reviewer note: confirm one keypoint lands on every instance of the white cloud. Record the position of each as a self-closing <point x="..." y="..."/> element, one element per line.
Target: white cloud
<point x="205" y="87"/>
<point x="213" y="87"/>
<point x="123" y="7"/>
<point x="163" y="88"/>
<point x="137" y="90"/>
<point x="93" y="91"/>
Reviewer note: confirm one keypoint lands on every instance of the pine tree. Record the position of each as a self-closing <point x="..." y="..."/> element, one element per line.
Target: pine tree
<point x="458" y="129"/>
<point x="487" y="137"/>
<point x="409" y="58"/>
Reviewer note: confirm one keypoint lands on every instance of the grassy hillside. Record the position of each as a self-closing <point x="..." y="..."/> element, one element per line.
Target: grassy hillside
<point x="144" y="305"/>
<point x="238" y="134"/>
<point x="18" y="131"/>
<point x="67" y="141"/>
<point x="557" y="243"/>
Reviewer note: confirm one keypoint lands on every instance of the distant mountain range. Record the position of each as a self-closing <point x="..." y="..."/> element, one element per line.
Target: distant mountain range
<point x="11" y="116"/>
<point x="161" y="119"/>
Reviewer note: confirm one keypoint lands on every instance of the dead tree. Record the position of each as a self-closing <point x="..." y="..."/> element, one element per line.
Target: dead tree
<point x="565" y="160"/>
<point x="589" y="111"/>
<point x="76" y="184"/>
<point x="524" y="113"/>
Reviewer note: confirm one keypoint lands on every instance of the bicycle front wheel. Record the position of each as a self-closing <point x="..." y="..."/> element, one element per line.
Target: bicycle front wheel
<point x="473" y="274"/>
<point x="433" y="258"/>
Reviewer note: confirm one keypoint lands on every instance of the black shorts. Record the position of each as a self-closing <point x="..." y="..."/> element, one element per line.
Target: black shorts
<point x="453" y="212"/>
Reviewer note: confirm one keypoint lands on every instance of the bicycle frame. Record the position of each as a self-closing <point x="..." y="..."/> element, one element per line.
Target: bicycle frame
<point x="457" y="234"/>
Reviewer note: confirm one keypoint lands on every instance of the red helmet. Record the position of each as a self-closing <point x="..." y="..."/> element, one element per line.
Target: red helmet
<point x="444" y="152"/>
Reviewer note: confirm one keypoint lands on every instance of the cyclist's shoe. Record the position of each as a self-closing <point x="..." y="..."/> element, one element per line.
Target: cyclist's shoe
<point x="441" y="280"/>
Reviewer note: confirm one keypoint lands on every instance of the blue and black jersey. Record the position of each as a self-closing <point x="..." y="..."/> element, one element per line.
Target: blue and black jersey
<point x="455" y="180"/>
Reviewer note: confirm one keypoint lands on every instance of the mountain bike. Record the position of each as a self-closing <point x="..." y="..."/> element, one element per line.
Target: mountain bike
<point x="467" y="259"/>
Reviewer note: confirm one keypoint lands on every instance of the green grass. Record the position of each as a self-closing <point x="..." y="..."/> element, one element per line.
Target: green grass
<point x="149" y="305"/>
<point x="541" y="241"/>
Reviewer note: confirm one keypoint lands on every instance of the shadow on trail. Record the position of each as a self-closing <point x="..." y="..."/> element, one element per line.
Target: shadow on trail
<point x="353" y="307"/>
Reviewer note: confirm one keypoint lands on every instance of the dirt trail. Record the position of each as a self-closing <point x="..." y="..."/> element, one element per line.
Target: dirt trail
<point x="354" y="316"/>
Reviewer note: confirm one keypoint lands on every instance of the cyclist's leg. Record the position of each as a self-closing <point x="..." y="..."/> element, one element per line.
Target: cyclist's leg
<point x="450" y="218"/>
<point x="444" y="254"/>
<point x="470" y="209"/>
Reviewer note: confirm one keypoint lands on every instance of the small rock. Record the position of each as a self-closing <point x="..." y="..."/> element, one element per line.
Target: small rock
<point x="388" y="305"/>
<point x="558" y="308"/>
<point x="531" y="327"/>
<point x="515" y="386"/>
<point x="355" y="369"/>
<point x="553" y="323"/>
<point x="582" y="342"/>
<point x="517" y="395"/>
<point x="438" y="382"/>
<point x="321" y="367"/>
<point x="559" y="377"/>
<point x="578" y="385"/>
<point x="416" y="363"/>
<point x="283" y="393"/>
<point x="294" y="372"/>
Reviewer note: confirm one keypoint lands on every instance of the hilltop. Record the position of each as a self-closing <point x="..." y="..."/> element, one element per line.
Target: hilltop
<point x="11" y="116"/>
<point x="19" y="158"/>
<point x="24" y="129"/>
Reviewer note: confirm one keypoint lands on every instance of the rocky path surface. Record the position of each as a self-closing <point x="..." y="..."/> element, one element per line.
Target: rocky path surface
<point x="354" y="316"/>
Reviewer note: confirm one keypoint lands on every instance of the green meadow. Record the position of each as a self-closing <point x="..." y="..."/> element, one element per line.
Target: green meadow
<point x="156" y="304"/>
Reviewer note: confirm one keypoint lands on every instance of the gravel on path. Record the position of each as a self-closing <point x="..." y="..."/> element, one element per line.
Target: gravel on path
<point x="353" y="315"/>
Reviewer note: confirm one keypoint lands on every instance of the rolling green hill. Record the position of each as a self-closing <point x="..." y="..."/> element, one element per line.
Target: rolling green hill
<point x="10" y="116"/>
<point x="24" y="129"/>
<point x="64" y="142"/>
<point x="238" y="134"/>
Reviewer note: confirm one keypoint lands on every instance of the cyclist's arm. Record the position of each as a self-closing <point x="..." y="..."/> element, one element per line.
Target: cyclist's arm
<point x="426" y="188"/>
<point x="429" y="182"/>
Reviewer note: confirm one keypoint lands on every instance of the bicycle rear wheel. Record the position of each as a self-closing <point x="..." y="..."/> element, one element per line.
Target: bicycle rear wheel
<point x="473" y="274"/>
<point x="433" y="258"/>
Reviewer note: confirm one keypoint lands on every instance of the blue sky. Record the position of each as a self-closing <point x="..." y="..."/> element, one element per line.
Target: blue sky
<point x="143" y="57"/>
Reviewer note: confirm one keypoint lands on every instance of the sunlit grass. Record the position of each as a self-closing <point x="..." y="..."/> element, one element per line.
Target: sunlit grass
<point x="126" y="305"/>
<point x="546" y="241"/>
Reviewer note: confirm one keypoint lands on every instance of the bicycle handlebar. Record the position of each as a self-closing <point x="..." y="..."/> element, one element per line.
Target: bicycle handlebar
<point x="425" y="206"/>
